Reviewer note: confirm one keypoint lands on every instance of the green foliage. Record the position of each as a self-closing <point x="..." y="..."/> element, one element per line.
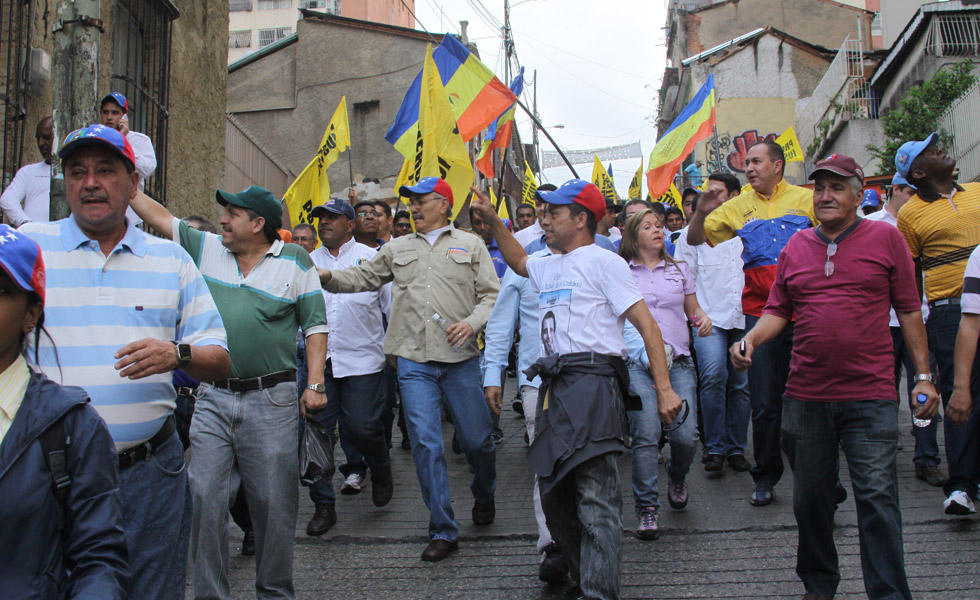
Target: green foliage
<point x="918" y="112"/>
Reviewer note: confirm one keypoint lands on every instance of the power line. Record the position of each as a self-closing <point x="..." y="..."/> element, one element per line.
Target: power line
<point x="605" y="66"/>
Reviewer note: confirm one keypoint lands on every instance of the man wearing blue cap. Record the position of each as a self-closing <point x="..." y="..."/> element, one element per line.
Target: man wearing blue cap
<point x="871" y="202"/>
<point x="941" y="225"/>
<point x="354" y="371"/>
<point x="926" y="456"/>
<point x="114" y="110"/>
<point x="116" y="297"/>
<point x="444" y="289"/>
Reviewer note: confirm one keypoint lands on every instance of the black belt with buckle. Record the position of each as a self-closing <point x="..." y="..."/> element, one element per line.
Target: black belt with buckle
<point x="255" y="383"/>
<point x="944" y="302"/>
<point x="128" y="458"/>
<point x="185" y="391"/>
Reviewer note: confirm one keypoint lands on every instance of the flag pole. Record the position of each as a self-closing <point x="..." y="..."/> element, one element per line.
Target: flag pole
<point x="500" y="184"/>
<point x="717" y="150"/>
<point x="538" y="124"/>
<point x="350" y="165"/>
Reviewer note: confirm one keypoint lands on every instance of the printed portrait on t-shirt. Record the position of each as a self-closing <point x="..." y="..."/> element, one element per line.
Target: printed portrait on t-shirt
<point x="554" y="306"/>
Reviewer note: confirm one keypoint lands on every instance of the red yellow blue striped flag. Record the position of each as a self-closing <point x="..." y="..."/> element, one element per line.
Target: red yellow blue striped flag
<point x="690" y="127"/>
<point x="476" y="95"/>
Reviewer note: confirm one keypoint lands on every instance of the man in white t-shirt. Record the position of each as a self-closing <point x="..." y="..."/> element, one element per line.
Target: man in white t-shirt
<point x="581" y="422"/>
<point x="27" y="198"/>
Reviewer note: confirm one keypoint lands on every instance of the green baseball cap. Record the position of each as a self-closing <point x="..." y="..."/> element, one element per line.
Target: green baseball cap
<point x="256" y="198"/>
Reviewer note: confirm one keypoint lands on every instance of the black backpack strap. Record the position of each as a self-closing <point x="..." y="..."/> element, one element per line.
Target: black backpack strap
<point x="54" y="445"/>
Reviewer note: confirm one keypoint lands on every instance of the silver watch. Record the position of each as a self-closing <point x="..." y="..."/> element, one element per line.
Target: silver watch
<point x="925" y="377"/>
<point x="318" y="388"/>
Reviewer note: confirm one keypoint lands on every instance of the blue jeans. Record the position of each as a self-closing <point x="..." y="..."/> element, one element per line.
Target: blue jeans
<point x="645" y="426"/>
<point x="868" y="432"/>
<point x="767" y="383"/>
<point x="156" y="507"/>
<point x="259" y="430"/>
<point x="926" y="445"/>
<point x="962" y="443"/>
<point x="725" y="406"/>
<point x="301" y="372"/>
<point x="423" y="387"/>
<point x="584" y="513"/>
<point x="357" y="402"/>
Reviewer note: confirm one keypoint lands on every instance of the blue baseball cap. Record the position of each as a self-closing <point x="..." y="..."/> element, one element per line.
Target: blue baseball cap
<point x="871" y="198"/>
<point x="427" y="185"/>
<point x="909" y="151"/>
<point x="335" y="206"/>
<point x="899" y="180"/>
<point x="118" y="99"/>
<point x="98" y="135"/>
<point x="576" y="191"/>
<point x="20" y="258"/>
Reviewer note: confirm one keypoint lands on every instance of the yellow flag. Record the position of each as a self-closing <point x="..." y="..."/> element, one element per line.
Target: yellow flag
<point x="530" y="186"/>
<point x="439" y="149"/>
<point x="600" y="177"/>
<point x="791" y="145"/>
<point x="503" y="211"/>
<point x="312" y="188"/>
<point x="671" y="197"/>
<point x="636" y="184"/>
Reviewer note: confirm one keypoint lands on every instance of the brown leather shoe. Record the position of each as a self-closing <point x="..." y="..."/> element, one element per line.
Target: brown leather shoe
<point x="930" y="474"/>
<point x="439" y="549"/>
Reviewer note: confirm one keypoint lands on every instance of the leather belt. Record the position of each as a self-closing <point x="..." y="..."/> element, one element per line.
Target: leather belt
<point x="255" y="383"/>
<point x="944" y="302"/>
<point x="185" y="391"/>
<point x="128" y="458"/>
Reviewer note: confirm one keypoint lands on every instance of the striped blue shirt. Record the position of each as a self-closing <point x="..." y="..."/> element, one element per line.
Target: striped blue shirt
<point x="146" y="288"/>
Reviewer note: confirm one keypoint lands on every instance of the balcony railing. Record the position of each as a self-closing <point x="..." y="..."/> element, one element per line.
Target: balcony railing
<point x="961" y="123"/>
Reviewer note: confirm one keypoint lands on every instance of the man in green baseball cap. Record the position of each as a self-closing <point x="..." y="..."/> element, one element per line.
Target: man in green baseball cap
<point x="256" y="199"/>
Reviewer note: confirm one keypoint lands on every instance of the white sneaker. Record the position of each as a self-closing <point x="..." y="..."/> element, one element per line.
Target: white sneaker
<point x="352" y="485"/>
<point x="959" y="503"/>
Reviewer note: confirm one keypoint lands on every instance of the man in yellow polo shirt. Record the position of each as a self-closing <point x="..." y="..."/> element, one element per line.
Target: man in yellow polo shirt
<point x="764" y="217"/>
<point x="941" y="225"/>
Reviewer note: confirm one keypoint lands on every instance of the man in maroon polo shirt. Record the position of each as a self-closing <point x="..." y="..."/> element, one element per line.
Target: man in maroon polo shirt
<point x="839" y="279"/>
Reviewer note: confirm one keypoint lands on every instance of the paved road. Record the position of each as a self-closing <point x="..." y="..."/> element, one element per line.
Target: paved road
<point x="718" y="547"/>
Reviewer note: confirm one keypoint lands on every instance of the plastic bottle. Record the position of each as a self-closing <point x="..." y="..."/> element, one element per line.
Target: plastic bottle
<point x="921" y="401"/>
<point x="442" y="322"/>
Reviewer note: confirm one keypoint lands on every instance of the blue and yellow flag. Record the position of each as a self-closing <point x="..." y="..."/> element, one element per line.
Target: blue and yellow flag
<point x="438" y="149"/>
<point x="475" y="94"/>
<point x="312" y="187"/>
<point x="690" y="127"/>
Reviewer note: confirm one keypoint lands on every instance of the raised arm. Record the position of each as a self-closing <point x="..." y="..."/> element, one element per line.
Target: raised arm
<point x="510" y="248"/>
<point x="709" y="201"/>
<point x="154" y="214"/>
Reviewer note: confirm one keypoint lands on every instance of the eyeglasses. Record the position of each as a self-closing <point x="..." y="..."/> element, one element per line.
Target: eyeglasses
<point x="421" y="201"/>
<point x="828" y="267"/>
<point x="366" y="213"/>
<point x="403" y="225"/>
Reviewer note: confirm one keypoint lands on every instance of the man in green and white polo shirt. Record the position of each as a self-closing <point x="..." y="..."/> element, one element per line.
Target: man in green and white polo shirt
<point x="264" y="290"/>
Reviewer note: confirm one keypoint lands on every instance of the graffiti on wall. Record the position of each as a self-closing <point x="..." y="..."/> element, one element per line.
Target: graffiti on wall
<point x="734" y="148"/>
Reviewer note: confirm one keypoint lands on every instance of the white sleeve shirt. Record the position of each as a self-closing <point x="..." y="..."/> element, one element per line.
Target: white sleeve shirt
<point x="357" y="336"/>
<point x="719" y="279"/>
<point x="27" y="198"/>
<point x="146" y="158"/>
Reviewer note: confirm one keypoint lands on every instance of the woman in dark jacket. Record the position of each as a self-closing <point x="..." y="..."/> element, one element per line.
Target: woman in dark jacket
<point x="50" y="547"/>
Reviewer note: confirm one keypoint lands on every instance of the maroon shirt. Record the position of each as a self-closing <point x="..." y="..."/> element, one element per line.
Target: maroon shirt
<point x="842" y="348"/>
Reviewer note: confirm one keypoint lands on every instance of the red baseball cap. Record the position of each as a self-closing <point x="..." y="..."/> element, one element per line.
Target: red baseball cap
<point x="839" y="164"/>
<point x="577" y="191"/>
<point x="427" y="185"/>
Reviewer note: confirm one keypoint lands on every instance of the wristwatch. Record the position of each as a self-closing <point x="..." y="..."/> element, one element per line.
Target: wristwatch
<point x="925" y="377"/>
<point x="183" y="354"/>
<point x="318" y="388"/>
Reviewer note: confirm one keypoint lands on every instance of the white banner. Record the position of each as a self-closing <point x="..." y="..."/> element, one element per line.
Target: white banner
<point x="553" y="159"/>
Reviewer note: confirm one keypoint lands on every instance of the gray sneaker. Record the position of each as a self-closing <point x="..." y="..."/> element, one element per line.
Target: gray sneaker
<point x="649" y="527"/>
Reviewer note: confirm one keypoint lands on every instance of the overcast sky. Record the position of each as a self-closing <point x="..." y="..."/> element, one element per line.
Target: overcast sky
<point x="599" y="66"/>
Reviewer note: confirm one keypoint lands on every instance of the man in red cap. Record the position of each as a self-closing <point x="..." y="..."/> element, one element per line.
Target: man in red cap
<point x="444" y="289"/>
<point x="841" y="388"/>
<point x="589" y="293"/>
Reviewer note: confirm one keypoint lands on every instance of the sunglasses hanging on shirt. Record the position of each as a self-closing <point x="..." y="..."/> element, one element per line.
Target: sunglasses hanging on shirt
<point x="828" y="267"/>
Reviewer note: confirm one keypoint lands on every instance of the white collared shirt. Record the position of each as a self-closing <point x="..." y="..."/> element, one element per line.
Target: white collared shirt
<point x="529" y="234"/>
<point x="719" y="278"/>
<point x="27" y="196"/>
<point x="146" y="158"/>
<point x="357" y="334"/>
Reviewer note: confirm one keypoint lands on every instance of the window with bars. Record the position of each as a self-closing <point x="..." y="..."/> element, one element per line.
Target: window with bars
<point x="273" y="4"/>
<point x="271" y="36"/>
<point x="312" y="3"/>
<point x="141" y="42"/>
<point x="15" y="42"/>
<point x="239" y="5"/>
<point x="241" y="38"/>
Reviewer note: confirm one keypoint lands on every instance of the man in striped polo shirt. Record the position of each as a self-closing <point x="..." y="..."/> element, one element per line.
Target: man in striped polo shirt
<point x="941" y="225"/>
<point x="116" y="297"/>
<point x="265" y="290"/>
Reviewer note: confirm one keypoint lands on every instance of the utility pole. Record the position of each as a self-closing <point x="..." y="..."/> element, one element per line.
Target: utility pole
<point x="534" y="128"/>
<point x="75" y="77"/>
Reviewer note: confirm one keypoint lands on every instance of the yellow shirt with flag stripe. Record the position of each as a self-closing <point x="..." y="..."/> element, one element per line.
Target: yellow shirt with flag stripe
<point x="13" y="386"/>
<point x="941" y="235"/>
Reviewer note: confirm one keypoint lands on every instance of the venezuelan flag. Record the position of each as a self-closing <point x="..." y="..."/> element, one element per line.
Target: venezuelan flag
<point x="476" y="95"/>
<point x="690" y="127"/>
<point x="500" y="131"/>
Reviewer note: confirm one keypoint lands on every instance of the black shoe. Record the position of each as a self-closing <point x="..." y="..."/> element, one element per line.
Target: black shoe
<point x="497" y="436"/>
<point x="763" y="494"/>
<point x="406" y="443"/>
<point x="518" y="406"/>
<point x="456" y="447"/>
<point x="324" y="517"/>
<point x="439" y="549"/>
<point x="248" y="544"/>
<point x="484" y="514"/>
<point x="738" y="463"/>
<point x="840" y="494"/>
<point x="382" y="486"/>
<point x="715" y="462"/>
<point x="553" y="569"/>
